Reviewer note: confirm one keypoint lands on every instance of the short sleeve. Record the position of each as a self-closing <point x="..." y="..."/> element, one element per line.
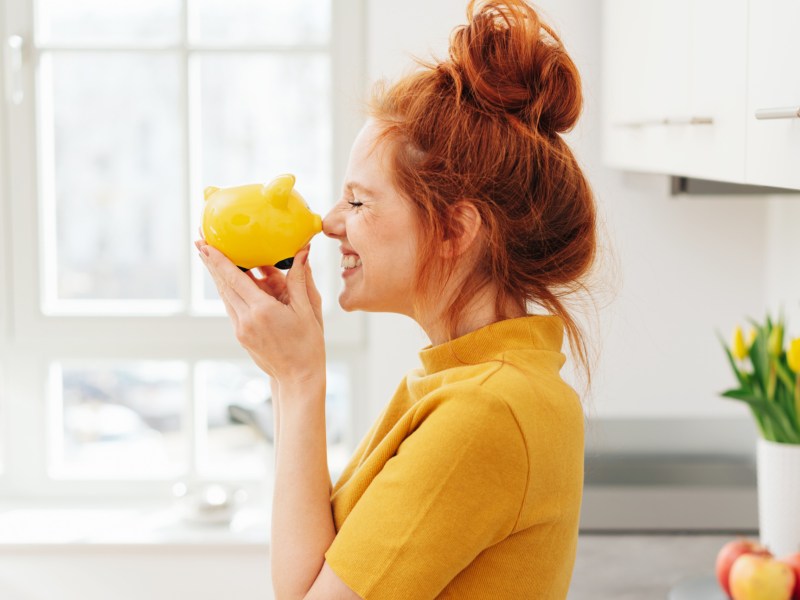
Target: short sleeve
<point x="454" y="488"/>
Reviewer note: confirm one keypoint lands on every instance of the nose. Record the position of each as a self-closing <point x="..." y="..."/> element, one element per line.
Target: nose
<point x="333" y="225"/>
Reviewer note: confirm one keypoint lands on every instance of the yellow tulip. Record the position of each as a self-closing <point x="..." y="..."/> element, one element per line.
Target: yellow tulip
<point x="793" y="355"/>
<point x="738" y="347"/>
<point x="775" y="341"/>
<point x="751" y="336"/>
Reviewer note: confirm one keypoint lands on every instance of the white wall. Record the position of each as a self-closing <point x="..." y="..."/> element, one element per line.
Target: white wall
<point x="678" y="267"/>
<point x="783" y="260"/>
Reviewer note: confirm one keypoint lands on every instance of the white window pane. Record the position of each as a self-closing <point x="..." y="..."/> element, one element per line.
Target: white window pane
<point x="263" y="115"/>
<point x="338" y="407"/>
<point x="107" y="22"/>
<point x="259" y="21"/>
<point x="117" y="169"/>
<point x="238" y="418"/>
<point x="118" y="420"/>
<point x="2" y="418"/>
<point x="239" y="440"/>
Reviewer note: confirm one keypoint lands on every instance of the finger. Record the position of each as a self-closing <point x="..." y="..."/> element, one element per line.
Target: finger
<point x="274" y="274"/>
<point x="272" y="271"/>
<point x="228" y="294"/>
<point x="296" y="281"/>
<point x="222" y="296"/>
<point x="234" y="317"/>
<point x="272" y="285"/>
<point x="236" y="281"/>
<point x="313" y="293"/>
<point x="230" y="298"/>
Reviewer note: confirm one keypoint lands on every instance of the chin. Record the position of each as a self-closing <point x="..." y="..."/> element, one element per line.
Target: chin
<point x="348" y="305"/>
<point x="352" y="305"/>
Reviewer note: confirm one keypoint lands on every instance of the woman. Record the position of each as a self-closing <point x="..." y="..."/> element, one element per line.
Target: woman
<point x="462" y="208"/>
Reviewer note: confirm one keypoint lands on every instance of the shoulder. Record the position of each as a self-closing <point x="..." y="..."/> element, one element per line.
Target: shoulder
<point x="524" y="377"/>
<point x="464" y="415"/>
<point x="518" y="397"/>
<point x="464" y="401"/>
<point x="530" y="380"/>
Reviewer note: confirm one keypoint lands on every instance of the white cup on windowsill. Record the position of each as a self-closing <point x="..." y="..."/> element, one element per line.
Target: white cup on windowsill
<point x="207" y="503"/>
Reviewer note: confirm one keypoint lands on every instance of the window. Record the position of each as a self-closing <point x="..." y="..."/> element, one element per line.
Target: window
<point x="120" y="373"/>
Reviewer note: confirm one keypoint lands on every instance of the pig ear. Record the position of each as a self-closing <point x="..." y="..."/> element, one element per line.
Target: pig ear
<point x="209" y="190"/>
<point x="279" y="190"/>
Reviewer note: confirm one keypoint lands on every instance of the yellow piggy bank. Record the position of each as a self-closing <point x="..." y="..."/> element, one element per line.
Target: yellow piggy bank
<point x="256" y="225"/>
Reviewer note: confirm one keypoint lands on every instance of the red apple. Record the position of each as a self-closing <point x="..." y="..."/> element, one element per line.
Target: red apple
<point x="729" y="553"/>
<point x="759" y="577"/>
<point x="793" y="560"/>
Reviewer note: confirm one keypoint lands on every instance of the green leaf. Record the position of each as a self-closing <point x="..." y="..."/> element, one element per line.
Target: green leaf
<point x="775" y="419"/>
<point x="759" y="358"/>
<point x="743" y="395"/>
<point x="785" y="373"/>
<point x="769" y="390"/>
<point x="762" y="426"/>
<point x="742" y="379"/>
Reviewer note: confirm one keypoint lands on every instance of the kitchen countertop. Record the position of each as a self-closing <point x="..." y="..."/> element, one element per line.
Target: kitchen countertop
<point x="619" y="565"/>
<point x="638" y="566"/>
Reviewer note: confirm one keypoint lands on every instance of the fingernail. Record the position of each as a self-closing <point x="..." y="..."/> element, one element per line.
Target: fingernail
<point x="204" y="250"/>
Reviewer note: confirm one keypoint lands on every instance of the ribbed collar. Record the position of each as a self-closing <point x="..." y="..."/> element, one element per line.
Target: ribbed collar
<point x="544" y="332"/>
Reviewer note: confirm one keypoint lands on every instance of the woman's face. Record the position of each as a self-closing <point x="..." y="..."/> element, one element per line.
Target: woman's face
<point x="375" y="225"/>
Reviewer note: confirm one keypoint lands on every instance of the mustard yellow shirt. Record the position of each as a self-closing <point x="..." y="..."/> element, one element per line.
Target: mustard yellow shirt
<point x="469" y="484"/>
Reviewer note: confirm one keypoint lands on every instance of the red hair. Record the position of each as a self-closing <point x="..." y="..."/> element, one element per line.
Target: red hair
<point x="483" y="126"/>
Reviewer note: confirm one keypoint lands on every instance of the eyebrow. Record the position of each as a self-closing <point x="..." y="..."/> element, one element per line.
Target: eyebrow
<point x="355" y="185"/>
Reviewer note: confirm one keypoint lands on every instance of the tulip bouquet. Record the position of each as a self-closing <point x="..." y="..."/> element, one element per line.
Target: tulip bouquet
<point x="769" y="378"/>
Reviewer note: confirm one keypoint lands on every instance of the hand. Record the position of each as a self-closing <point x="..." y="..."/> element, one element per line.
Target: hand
<point x="277" y="318"/>
<point x="274" y="282"/>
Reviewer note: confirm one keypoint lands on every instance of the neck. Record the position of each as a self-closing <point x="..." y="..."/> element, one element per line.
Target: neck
<point x="479" y="312"/>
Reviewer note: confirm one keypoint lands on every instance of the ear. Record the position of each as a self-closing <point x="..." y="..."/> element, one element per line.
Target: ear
<point x="465" y="224"/>
<point x="209" y="191"/>
<point x="279" y="190"/>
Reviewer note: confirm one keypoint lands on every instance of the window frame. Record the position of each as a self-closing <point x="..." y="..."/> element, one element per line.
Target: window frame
<point x="31" y="340"/>
<point x="5" y="283"/>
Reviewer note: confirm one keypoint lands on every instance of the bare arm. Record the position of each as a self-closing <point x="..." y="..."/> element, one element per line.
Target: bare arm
<point x="302" y="520"/>
<point x="273" y="385"/>
<point x="276" y="423"/>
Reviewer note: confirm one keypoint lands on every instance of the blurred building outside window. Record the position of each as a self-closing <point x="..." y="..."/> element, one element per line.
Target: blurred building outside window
<point x="124" y="370"/>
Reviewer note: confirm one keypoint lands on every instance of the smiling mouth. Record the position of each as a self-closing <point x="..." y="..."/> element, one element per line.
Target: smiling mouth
<point x="350" y="261"/>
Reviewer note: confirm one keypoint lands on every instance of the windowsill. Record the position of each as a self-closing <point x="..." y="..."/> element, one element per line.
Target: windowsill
<point x="140" y="526"/>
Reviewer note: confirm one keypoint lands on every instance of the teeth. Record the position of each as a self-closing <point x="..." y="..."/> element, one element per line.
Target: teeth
<point x="350" y="261"/>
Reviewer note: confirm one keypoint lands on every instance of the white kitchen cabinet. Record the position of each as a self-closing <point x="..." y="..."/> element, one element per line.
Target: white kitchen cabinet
<point x="644" y="81"/>
<point x="675" y="88"/>
<point x="718" y="91"/>
<point x="773" y="144"/>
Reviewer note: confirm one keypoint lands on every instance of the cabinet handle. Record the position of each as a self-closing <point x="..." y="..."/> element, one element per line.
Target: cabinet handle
<point x="689" y="121"/>
<point x="669" y="121"/>
<point x="790" y="112"/>
<point x="14" y="69"/>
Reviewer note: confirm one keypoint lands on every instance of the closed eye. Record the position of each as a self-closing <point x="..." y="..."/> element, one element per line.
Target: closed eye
<point x="356" y="203"/>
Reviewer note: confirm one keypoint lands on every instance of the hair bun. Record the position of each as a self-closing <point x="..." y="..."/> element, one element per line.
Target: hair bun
<point x="506" y="59"/>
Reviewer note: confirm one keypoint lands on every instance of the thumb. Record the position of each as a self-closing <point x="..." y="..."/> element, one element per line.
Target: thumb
<point x="296" y="280"/>
<point x="314" y="297"/>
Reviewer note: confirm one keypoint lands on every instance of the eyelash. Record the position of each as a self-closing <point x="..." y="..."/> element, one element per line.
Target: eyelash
<point x="355" y="204"/>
